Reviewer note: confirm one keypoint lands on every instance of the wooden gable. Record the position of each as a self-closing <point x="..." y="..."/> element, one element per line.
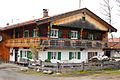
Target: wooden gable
<point x="76" y="21"/>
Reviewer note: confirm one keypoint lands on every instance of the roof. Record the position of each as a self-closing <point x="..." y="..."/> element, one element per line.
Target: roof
<point x="114" y="40"/>
<point x="114" y="43"/>
<point x="60" y="16"/>
<point x="79" y="24"/>
<point x="22" y="24"/>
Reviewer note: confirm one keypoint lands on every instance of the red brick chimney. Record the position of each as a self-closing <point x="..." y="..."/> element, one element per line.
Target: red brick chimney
<point x="45" y="12"/>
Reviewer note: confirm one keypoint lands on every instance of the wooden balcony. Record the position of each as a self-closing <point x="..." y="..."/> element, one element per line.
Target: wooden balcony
<point x="55" y="43"/>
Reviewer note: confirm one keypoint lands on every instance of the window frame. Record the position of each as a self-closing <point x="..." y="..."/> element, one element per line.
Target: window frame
<point x="76" y="34"/>
<point x="74" y="55"/>
<point x="55" y="55"/>
<point x="53" y="36"/>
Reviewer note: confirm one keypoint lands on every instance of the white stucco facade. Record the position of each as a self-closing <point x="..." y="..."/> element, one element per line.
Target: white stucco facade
<point x="12" y="54"/>
<point x="43" y="55"/>
<point x="65" y="55"/>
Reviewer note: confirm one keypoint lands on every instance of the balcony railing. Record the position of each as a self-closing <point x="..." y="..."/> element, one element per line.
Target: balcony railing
<point x="55" y="43"/>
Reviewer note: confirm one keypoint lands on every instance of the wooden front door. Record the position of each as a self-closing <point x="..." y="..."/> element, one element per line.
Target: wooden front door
<point x="16" y="55"/>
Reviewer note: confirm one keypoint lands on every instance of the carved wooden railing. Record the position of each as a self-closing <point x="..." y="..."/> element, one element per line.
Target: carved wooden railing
<point x="56" y="43"/>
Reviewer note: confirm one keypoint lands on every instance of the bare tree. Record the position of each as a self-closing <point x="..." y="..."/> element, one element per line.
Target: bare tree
<point x="34" y="54"/>
<point x="118" y="4"/>
<point x="107" y="10"/>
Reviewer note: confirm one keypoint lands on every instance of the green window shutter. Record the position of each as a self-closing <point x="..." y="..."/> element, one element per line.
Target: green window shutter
<point x="29" y="55"/>
<point x="26" y="34"/>
<point x="49" y="55"/>
<point x="95" y="36"/>
<point x="59" y="34"/>
<point x="33" y="33"/>
<point x="79" y="55"/>
<point x="70" y="55"/>
<point x="38" y="33"/>
<point x="78" y="35"/>
<point x="59" y="55"/>
<point x="70" y="35"/>
<point x="21" y="53"/>
<point x="89" y="36"/>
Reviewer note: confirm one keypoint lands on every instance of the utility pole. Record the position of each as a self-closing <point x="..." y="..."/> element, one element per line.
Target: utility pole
<point x="79" y="4"/>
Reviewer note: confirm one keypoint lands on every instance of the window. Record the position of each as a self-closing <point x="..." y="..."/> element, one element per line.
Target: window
<point x="91" y="54"/>
<point x="83" y="18"/>
<point x="34" y="33"/>
<point x="17" y="35"/>
<point x="92" y="36"/>
<point x="54" y="55"/>
<point x="23" y="53"/>
<point x="74" y="34"/>
<point x="74" y="55"/>
<point x="26" y="33"/>
<point x="54" y="33"/>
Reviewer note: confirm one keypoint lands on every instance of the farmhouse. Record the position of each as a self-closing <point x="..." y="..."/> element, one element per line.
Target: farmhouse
<point x="74" y="36"/>
<point x="114" y="51"/>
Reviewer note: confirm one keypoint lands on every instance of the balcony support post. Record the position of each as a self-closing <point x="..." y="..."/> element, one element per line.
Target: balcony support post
<point x="13" y="33"/>
<point x="81" y="31"/>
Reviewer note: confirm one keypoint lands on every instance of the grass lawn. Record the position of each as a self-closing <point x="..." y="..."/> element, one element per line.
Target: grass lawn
<point x="75" y="73"/>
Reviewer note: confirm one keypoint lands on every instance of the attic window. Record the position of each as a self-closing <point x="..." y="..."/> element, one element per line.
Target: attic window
<point x="83" y="18"/>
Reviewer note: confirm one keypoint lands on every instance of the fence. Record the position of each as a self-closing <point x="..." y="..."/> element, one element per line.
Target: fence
<point x="76" y="66"/>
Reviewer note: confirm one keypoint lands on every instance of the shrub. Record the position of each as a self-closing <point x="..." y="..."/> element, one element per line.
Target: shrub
<point x="47" y="60"/>
<point x="105" y="59"/>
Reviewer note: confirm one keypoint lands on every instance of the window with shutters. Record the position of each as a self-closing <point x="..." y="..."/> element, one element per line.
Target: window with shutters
<point x="54" y="55"/>
<point x="74" y="34"/>
<point x="74" y="55"/>
<point x="17" y="35"/>
<point x="92" y="36"/>
<point x="26" y="33"/>
<point x="54" y="33"/>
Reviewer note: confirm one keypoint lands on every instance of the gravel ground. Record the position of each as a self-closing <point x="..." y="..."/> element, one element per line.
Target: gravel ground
<point x="8" y="72"/>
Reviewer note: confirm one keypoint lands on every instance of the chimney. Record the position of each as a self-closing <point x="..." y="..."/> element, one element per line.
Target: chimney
<point x="45" y="12"/>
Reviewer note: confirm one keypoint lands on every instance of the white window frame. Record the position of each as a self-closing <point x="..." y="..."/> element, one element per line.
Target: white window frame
<point x="34" y="33"/>
<point x="54" y="55"/>
<point x="24" y="54"/>
<point x="55" y="35"/>
<point x="74" y="55"/>
<point x="26" y="31"/>
<point x="76" y="35"/>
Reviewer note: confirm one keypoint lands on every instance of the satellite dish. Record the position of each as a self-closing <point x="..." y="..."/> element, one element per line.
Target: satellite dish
<point x="0" y="38"/>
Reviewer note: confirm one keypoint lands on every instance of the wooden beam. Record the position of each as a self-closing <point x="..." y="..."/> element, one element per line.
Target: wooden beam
<point x="81" y="32"/>
<point x="13" y="33"/>
<point x="37" y="30"/>
<point x="23" y="32"/>
<point x="49" y="27"/>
